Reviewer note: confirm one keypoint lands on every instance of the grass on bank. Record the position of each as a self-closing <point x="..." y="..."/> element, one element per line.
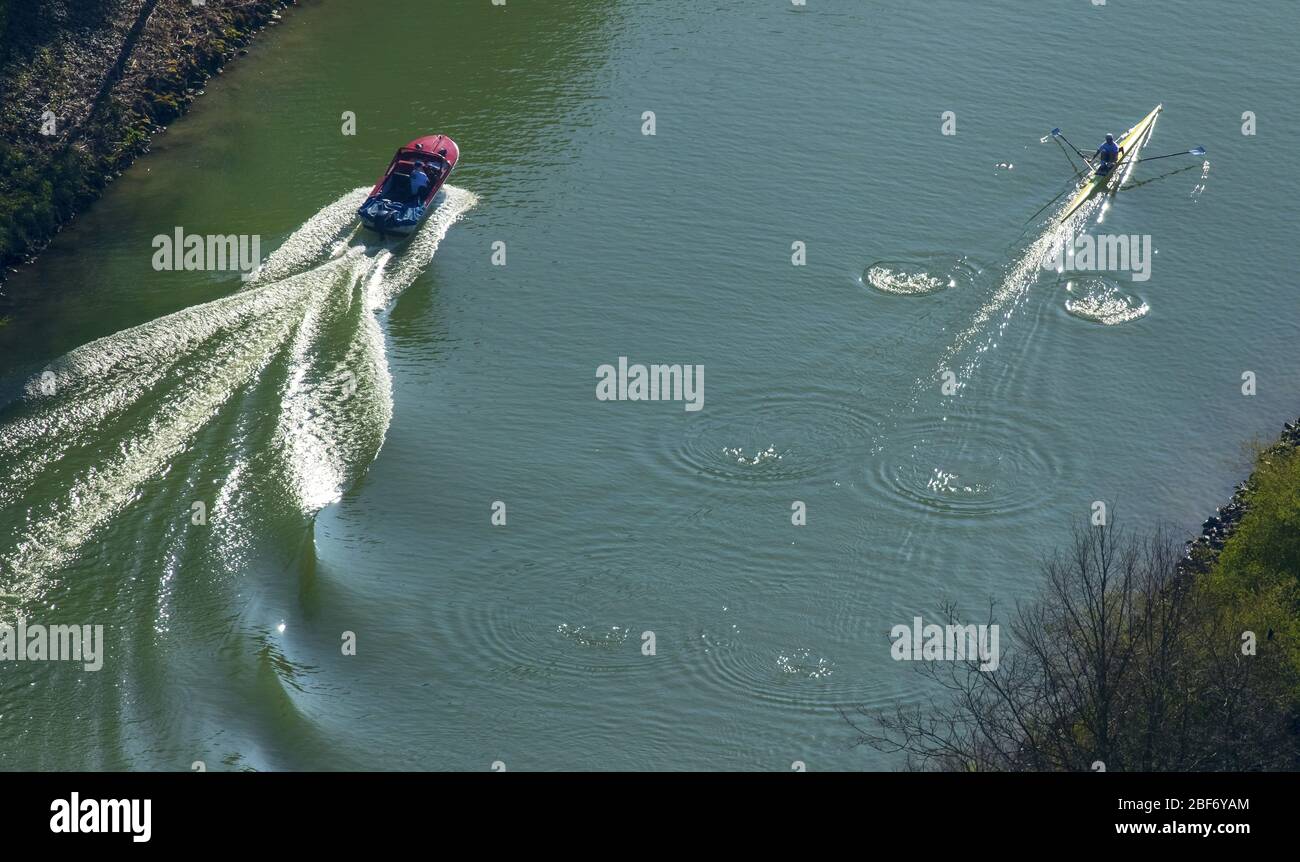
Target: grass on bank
<point x="1257" y="575"/>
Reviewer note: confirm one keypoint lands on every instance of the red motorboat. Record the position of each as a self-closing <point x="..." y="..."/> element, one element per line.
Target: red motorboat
<point x="404" y="195"/>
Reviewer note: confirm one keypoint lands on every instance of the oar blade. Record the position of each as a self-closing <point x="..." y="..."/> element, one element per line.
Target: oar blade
<point x="1197" y="151"/>
<point x="1056" y="133"/>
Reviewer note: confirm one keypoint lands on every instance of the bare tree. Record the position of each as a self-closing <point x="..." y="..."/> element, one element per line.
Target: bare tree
<point x="1121" y="664"/>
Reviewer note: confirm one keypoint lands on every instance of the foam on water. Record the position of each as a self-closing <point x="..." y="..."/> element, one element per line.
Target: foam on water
<point x="1099" y="301"/>
<point x="889" y="280"/>
<point x="919" y="275"/>
<point x="112" y="415"/>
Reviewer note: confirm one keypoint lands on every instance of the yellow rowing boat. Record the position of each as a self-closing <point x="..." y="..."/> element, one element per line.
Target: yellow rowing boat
<point x="1131" y="143"/>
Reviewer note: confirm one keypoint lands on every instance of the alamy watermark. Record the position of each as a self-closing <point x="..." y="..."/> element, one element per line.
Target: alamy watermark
<point x="130" y="816"/>
<point x="1101" y="253"/>
<point x="53" y="643"/>
<point x="933" y="642"/>
<point x="213" y="252"/>
<point x="651" y="383"/>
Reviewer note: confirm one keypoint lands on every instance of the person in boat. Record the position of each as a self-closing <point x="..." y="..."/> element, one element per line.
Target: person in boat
<point x="419" y="182"/>
<point x="1107" y="155"/>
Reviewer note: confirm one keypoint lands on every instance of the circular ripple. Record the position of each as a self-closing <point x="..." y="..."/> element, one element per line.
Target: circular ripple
<point x="797" y="676"/>
<point x="919" y="275"/>
<point x="773" y="438"/>
<point x="791" y="676"/>
<point x="525" y="645"/>
<point x="989" y="465"/>
<point x="803" y="663"/>
<point x="1098" y="299"/>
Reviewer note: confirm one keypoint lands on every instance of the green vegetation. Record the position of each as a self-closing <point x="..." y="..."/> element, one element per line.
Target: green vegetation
<point x="36" y="196"/>
<point x="1257" y="574"/>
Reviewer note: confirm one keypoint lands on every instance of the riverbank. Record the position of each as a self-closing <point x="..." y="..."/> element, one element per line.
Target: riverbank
<point x="1224" y="527"/>
<point x="85" y="88"/>
<point x="1248" y="555"/>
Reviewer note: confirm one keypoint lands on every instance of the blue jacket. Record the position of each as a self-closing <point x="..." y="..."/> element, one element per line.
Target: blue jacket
<point x="419" y="181"/>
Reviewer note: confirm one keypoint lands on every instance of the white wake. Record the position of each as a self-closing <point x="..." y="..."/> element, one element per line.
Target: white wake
<point x="105" y="419"/>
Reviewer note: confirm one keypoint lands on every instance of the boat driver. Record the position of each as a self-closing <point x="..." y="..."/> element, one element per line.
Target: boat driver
<point x="419" y="182"/>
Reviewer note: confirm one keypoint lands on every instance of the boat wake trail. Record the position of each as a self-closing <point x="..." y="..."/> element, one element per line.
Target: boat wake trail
<point x="990" y="320"/>
<point x="275" y="397"/>
<point x="963" y="356"/>
<point x="935" y="453"/>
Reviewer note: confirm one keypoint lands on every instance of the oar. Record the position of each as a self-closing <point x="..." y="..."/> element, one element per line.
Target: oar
<point x="1071" y="185"/>
<point x="1194" y="151"/>
<point x="1065" y="152"/>
<point x="1056" y="133"/>
<point x="1048" y="204"/>
<point x="1132" y="186"/>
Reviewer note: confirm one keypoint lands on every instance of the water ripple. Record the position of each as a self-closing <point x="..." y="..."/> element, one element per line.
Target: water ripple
<point x="1000" y="464"/>
<point x="1099" y="300"/>
<point x="756" y="437"/>
<point x="921" y="274"/>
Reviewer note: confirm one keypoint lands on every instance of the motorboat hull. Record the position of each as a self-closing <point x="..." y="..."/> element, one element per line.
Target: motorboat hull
<point x="391" y="209"/>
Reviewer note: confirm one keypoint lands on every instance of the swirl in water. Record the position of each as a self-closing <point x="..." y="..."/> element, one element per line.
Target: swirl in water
<point x="1099" y="301"/>
<point x="919" y="275"/>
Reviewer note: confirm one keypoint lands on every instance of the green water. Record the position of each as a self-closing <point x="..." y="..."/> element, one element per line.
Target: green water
<point x="348" y="418"/>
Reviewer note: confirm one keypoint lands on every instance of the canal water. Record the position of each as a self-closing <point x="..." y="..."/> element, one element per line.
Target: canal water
<point x="398" y="446"/>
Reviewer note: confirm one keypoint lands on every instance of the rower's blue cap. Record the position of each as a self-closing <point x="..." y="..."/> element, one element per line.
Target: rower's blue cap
<point x="1110" y="137"/>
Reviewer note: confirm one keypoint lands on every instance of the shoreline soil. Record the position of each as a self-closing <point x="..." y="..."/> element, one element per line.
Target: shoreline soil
<point x="86" y="84"/>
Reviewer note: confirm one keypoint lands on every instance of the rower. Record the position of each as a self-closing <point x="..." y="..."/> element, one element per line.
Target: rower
<point x="1108" y="154"/>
